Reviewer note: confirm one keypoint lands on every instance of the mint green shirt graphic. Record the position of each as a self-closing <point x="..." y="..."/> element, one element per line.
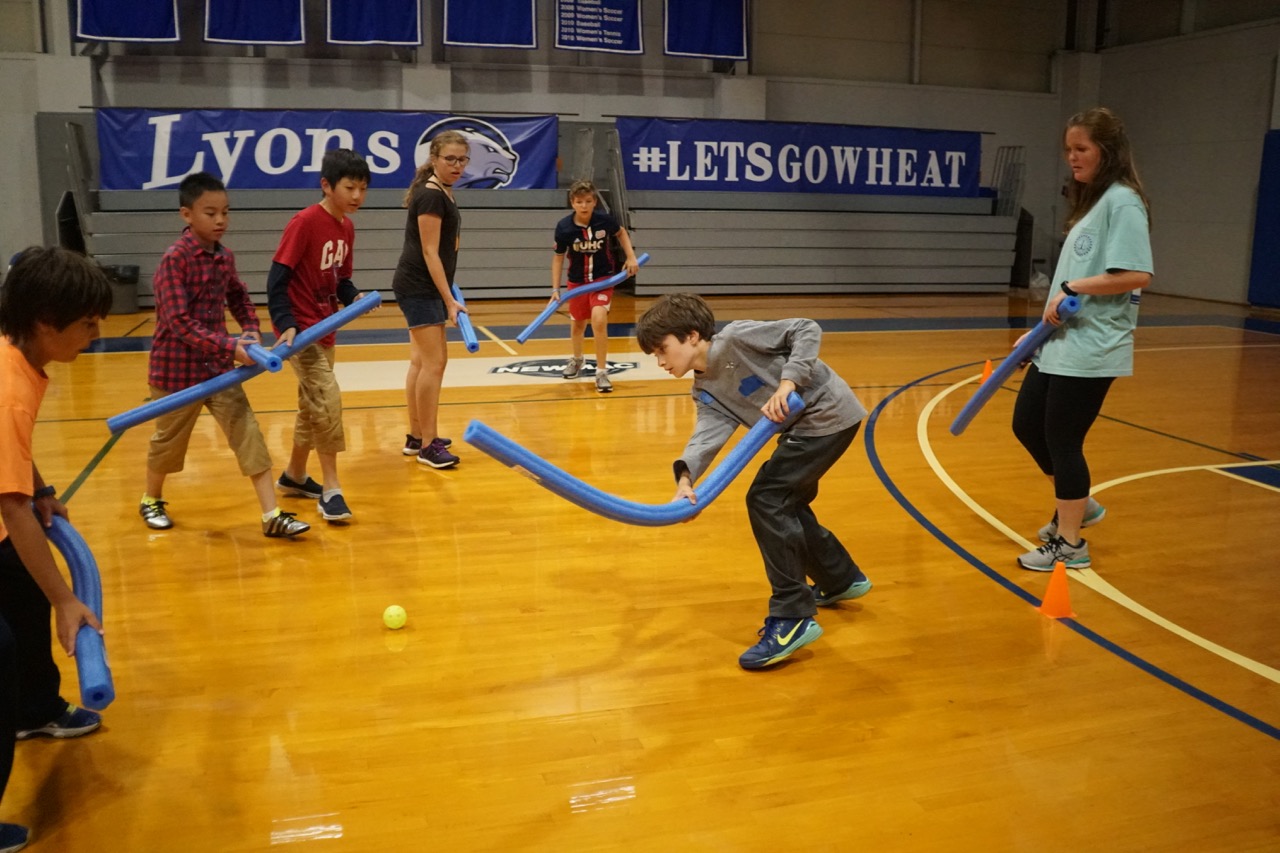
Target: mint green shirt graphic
<point x="1098" y="341"/>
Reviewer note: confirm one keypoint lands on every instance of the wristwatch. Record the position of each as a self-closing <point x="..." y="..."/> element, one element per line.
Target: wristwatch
<point x="44" y="492"/>
<point x="1066" y="288"/>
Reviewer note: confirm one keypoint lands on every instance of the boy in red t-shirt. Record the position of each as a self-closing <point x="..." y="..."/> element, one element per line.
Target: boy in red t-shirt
<point x="310" y="274"/>
<point x="50" y="307"/>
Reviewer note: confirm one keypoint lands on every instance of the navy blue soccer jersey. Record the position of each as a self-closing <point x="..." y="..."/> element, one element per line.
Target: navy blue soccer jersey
<point x="591" y="253"/>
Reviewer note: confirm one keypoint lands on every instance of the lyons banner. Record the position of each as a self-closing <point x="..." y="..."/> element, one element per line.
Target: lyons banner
<point x="759" y="156"/>
<point x="270" y="149"/>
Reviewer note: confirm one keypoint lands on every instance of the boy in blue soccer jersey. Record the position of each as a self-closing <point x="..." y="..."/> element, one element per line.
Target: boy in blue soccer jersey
<point x="584" y="237"/>
<point x="742" y="373"/>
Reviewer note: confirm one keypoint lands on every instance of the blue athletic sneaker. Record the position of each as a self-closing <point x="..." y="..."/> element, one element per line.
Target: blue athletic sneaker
<point x="13" y="837"/>
<point x="857" y="589"/>
<point x="334" y="509"/>
<point x="74" y="722"/>
<point x="778" y="639"/>
<point x="292" y="488"/>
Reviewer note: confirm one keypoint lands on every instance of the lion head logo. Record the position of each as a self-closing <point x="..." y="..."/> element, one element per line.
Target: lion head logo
<point x="493" y="158"/>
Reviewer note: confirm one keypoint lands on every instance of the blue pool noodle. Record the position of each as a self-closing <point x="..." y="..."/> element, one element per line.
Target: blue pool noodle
<point x="96" y="688"/>
<point x="1067" y="308"/>
<point x="196" y="393"/>
<point x="464" y="322"/>
<point x="602" y="503"/>
<point x="264" y="357"/>
<point x="574" y="293"/>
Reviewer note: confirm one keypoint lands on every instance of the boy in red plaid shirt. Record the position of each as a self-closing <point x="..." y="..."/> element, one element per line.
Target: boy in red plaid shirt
<point x="194" y="285"/>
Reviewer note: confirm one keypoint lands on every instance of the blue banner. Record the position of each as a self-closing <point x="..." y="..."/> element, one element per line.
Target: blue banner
<point x="608" y="26"/>
<point x="490" y="23"/>
<point x="760" y="156"/>
<point x="254" y="21"/>
<point x="712" y="29"/>
<point x="127" y="20"/>
<point x="383" y="22"/>
<point x="1264" y="271"/>
<point x="269" y="149"/>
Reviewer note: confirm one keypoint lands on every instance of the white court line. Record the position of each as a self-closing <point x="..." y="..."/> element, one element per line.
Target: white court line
<point x="1089" y="577"/>
<point x="497" y="340"/>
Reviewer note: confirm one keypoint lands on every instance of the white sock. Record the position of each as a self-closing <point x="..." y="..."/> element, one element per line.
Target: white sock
<point x="329" y="493"/>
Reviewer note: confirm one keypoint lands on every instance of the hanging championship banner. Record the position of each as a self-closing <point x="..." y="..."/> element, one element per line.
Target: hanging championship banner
<point x="607" y="26"/>
<point x="254" y="21"/>
<point x="396" y="22"/>
<point x="490" y="23"/>
<point x="762" y="156"/>
<point x="711" y="29"/>
<point x="127" y="20"/>
<point x="270" y="149"/>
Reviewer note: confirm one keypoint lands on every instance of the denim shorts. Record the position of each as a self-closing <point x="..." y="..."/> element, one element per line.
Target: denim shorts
<point x="423" y="310"/>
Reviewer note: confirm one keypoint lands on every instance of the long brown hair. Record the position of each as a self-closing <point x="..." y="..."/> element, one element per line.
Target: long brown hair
<point x="1115" y="163"/>
<point x="426" y="170"/>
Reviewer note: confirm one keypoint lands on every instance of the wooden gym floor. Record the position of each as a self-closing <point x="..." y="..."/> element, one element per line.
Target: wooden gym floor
<point x="569" y="683"/>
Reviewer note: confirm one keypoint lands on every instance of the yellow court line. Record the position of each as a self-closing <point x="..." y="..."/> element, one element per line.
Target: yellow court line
<point x="497" y="340"/>
<point x="1088" y="577"/>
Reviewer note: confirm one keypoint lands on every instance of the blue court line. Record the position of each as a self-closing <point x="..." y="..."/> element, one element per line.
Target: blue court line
<point x="142" y="343"/>
<point x="1088" y="633"/>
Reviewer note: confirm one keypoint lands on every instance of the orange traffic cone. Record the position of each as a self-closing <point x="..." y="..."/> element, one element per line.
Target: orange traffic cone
<point x="1057" y="599"/>
<point x="986" y="371"/>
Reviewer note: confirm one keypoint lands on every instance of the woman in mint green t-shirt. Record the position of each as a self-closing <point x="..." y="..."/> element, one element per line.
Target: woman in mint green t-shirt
<point x="1106" y="262"/>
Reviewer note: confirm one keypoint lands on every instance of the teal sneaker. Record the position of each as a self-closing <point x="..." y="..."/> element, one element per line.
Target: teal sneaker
<point x="779" y="638"/>
<point x="857" y="589"/>
<point x="74" y="722"/>
<point x="1056" y="550"/>
<point x="1093" y="513"/>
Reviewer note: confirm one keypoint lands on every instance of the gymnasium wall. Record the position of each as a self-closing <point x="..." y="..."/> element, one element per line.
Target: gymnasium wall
<point x="1198" y="108"/>
<point x="1197" y="104"/>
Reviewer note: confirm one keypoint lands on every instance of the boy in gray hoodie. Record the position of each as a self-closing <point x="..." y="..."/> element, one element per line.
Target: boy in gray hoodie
<point x="746" y="369"/>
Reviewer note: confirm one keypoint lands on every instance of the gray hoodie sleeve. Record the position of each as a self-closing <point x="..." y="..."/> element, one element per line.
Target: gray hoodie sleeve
<point x="803" y="338"/>
<point x="712" y="430"/>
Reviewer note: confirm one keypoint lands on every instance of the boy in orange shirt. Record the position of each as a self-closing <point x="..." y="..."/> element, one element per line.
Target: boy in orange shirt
<point x="50" y="307"/>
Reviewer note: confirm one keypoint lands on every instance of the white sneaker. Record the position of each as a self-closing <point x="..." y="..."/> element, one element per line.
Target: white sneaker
<point x="572" y="367"/>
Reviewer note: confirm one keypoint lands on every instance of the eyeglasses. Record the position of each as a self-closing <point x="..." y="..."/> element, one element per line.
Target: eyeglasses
<point x="456" y="161"/>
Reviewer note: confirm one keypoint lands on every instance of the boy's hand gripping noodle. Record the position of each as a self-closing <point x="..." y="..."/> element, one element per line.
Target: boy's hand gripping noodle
<point x="602" y="503"/>
<point x="96" y="688"/>
<point x="574" y="293"/>
<point x="187" y="396"/>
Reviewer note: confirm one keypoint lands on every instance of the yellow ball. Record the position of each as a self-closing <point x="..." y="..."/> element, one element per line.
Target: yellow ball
<point x="394" y="617"/>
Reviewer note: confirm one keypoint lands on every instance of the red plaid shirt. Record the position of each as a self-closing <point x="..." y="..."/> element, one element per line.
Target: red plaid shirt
<point x="193" y="287"/>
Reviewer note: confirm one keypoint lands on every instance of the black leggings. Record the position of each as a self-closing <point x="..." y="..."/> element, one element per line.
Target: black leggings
<point x="1051" y="418"/>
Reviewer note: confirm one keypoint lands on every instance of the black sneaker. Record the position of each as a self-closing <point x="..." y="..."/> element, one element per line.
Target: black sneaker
<point x="437" y="455"/>
<point x="74" y="722"/>
<point x="413" y="446"/>
<point x="152" y="512"/>
<point x="292" y="488"/>
<point x="334" y="509"/>
<point x="283" y="524"/>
